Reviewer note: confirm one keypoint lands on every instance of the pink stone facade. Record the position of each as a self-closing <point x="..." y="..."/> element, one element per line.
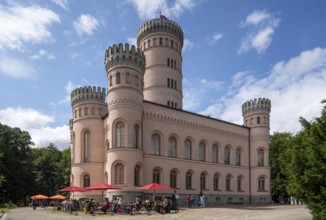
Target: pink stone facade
<point x="141" y="134"/>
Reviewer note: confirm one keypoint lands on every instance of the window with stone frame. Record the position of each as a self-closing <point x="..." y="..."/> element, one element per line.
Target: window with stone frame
<point x="156" y="176"/>
<point x="173" y="179"/>
<point x="155" y="144"/>
<point x="188" y="180"/>
<point x="119" y="174"/>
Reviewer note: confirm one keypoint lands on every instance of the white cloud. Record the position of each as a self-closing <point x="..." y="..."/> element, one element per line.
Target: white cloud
<point x="37" y="125"/>
<point x="261" y="26"/>
<point x="216" y="37"/>
<point x="17" y="68"/>
<point x="75" y="55"/>
<point x="187" y="45"/>
<point x="25" y="24"/>
<point x="43" y="54"/>
<point x="295" y="88"/>
<point x="151" y="9"/>
<point x="62" y="3"/>
<point x="193" y="92"/>
<point x="132" y="41"/>
<point x="69" y="88"/>
<point x="85" y="24"/>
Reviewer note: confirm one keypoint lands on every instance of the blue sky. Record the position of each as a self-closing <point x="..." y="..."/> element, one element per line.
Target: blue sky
<point x="233" y="51"/>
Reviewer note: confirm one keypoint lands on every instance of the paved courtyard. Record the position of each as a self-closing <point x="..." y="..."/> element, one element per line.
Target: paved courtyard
<point x="238" y="212"/>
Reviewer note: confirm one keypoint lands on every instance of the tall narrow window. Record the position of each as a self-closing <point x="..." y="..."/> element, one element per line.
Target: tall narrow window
<point x="188" y="180"/>
<point x="118" y="79"/>
<point x="216" y="182"/>
<point x="86" y="111"/>
<point x="172" y="147"/>
<point x="173" y="179"/>
<point x="86" y="181"/>
<point x="258" y="120"/>
<point x="228" y="183"/>
<point x="202" y="181"/>
<point x="168" y="103"/>
<point x="93" y="111"/>
<point x="168" y="62"/>
<point x="168" y="82"/>
<point x="202" y="152"/>
<point x="227" y="155"/>
<point x="110" y="80"/>
<point x="175" y="84"/>
<point x="261" y="183"/>
<point x="127" y="78"/>
<point x="155" y="148"/>
<point x="260" y="158"/>
<point x="239" y="183"/>
<point x="161" y="41"/>
<point x="238" y="157"/>
<point x="172" y="63"/>
<point x="156" y="176"/>
<point x="172" y="83"/>
<point x="136" y="80"/>
<point x="215" y="153"/>
<point x="119" y="174"/>
<point x="136" y="133"/>
<point x="87" y="146"/>
<point x="120" y="135"/>
<point x="137" y="175"/>
<point x="187" y="149"/>
<point x="172" y="44"/>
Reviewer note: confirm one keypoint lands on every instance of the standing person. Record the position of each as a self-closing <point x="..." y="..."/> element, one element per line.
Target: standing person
<point x="202" y="199"/>
<point x="34" y="203"/>
<point x="189" y="200"/>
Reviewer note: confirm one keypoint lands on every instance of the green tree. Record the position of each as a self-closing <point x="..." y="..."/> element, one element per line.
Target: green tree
<point x="306" y="170"/>
<point x="279" y="143"/>
<point x="16" y="165"/>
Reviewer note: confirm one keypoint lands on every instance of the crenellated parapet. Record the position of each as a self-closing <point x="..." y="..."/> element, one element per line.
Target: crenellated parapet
<point x="161" y="24"/>
<point x="88" y="94"/>
<point x="261" y="104"/>
<point x="119" y="55"/>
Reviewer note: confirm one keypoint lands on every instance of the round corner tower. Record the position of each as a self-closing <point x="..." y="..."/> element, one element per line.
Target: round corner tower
<point x="161" y="40"/>
<point x="256" y="114"/>
<point x="86" y="131"/>
<point x="125" y="67"/>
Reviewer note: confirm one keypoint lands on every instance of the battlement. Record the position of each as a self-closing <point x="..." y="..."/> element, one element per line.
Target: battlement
<point x="87" y="94"/>
<point x="118" y="55"/>
<point x="161" y="24"/>
<point x="261" y="104"/>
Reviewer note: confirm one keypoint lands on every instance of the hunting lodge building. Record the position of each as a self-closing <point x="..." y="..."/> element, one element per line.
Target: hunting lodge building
<point x="142" y="135"/>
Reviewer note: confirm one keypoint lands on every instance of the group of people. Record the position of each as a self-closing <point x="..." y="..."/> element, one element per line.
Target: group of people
<point x="201" y="200"/>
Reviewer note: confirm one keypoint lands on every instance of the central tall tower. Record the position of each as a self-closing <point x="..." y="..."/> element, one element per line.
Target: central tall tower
<point x="161" y="40"/>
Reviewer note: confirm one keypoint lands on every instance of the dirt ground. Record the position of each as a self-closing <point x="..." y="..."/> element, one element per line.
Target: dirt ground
<point x="236" y="212"/>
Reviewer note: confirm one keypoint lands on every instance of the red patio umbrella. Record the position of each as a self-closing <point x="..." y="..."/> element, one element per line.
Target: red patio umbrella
<point x="73" y="189"/>
<point x="102" y="186"/>
<point x="155" y="186"/>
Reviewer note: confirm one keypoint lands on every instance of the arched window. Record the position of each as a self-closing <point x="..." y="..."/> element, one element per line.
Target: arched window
<point x="173" y="179"/>
<point x="228" y="183"/>
<point x="187" y="149"/>
<point x="215" y="153"/>
<point x="227" y="155"/>
<point x="136" y="134"/>
<point x="155" y="148"/>
<point x="137" y="175"/>
<point x="202" y="151"/>
<point x="118" y="79"/>
<point x="261" y="183"/>
<point x="87" y="146"/>
<point x="119" y="174"/>
<point x="172" y="147"/>
<point x="128" y="78"/>
<point x="239" y="183"/>
<point x="216" y="180"/>
<point x="156" y="176"/>
<point x="120" y="135"/>
<point x="238" y="157"/>
<point x="202" y="181"/>
<point x="86" y="181"/>
<point x="260" y="159"/>
<point x="188" y="180"/>
<point x="258" y="120"/>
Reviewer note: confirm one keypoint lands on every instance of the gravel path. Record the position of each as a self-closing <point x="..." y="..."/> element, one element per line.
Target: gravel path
<point x="239" y="212"/>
